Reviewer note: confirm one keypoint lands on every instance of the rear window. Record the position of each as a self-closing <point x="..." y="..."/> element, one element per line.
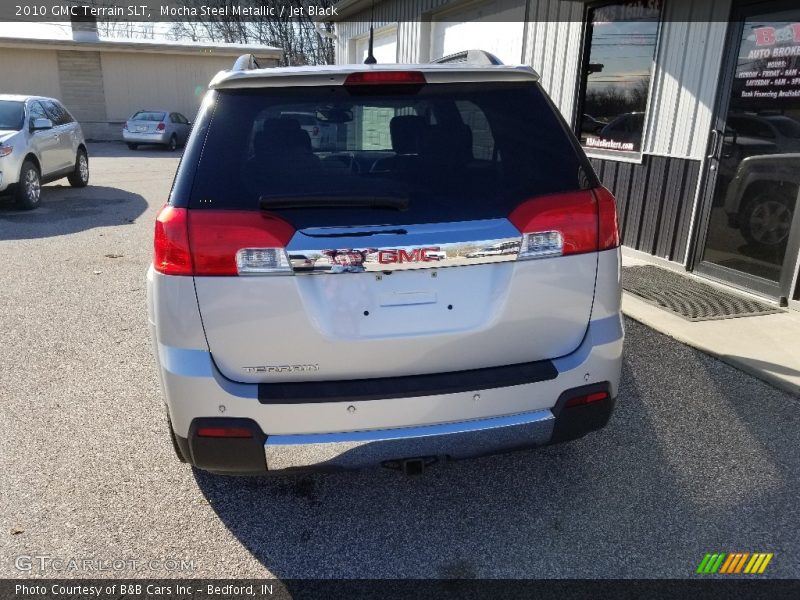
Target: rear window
<point x="452" y="152"/>
<point x="148" y="116"/>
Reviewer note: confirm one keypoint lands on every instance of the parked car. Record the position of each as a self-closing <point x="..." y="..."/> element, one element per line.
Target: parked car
<point x="626" y="128"/>
<point x="762" y="197"/>
<point x="780" y="130"/>
<point x="40" y="142"/>
<point x="161" y="127"/>
<point x="269" y="364"/>
<point x="591" y="125"/>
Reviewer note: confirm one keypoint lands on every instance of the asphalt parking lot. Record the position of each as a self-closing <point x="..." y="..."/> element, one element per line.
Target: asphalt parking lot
<point x="698" y="457"/>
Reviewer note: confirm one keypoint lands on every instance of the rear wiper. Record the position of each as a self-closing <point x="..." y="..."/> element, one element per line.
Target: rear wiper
<point x="321" y="201"/>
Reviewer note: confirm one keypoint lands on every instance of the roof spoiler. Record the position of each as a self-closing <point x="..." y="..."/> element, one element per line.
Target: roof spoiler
<point x="474" y="57"/>
<point x="246" y="62"/>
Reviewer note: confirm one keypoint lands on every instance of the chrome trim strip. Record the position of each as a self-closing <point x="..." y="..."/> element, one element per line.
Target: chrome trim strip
<point x="364" y="448"/>
<point x="376" y="248"/>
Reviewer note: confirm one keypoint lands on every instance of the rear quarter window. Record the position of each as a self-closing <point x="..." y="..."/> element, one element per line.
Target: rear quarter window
<point x="456" y="151"/>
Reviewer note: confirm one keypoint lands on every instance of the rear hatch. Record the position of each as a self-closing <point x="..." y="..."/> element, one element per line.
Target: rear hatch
<point x="450" y="226"/>
<point x="146" y="121"/>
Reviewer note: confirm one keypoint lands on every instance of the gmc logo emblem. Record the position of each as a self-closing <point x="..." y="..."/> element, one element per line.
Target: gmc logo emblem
<point x="392" y="256"/>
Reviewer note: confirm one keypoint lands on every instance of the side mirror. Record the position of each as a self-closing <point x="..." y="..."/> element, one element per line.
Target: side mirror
<point x="39" y="124"/>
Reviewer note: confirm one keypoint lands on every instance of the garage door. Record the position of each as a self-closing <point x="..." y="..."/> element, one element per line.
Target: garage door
<point x="384" y="47"/>
<point x="496" y="27"/>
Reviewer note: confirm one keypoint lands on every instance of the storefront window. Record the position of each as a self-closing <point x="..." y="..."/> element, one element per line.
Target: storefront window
<point x="621" y="44"/>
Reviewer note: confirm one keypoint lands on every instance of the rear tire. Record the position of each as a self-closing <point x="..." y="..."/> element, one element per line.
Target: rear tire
<point x="133" y="146"/>
<point x="173" y="143"/>
<point x="766" y="218"/>
<point x="80" y="176"/>
<point x="28" y="193"/>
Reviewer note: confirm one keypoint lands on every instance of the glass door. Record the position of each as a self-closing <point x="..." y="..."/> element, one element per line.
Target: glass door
<point x="753" y="166"/>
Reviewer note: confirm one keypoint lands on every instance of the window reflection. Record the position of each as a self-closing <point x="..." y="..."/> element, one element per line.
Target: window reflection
<point x="621" y="42"/>
<point x="756" y="191"/>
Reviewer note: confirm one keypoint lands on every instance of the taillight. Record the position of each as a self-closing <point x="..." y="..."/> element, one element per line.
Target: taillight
<point x="171" y="254"/>
<point x="564" y="224"/>
<point x="385" y="77"/>
<point x="238" y="242"/>
<point x="211" y="242"/>
<point x="557" y="225"/>
<point x="161" y="127"/>
<point x="608" y="228"/>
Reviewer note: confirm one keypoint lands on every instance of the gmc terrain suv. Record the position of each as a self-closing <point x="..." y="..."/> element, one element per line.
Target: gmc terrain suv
<point x="333" y="308"/>
<point x="39" y="142"/>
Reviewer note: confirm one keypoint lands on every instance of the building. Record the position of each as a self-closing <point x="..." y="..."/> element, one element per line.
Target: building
<point x="689" y="111"/>
<point x="103" y="81"/>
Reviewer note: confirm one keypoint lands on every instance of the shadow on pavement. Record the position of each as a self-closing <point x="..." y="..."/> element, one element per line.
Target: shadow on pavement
<point x="66" y="210"/>
<point x="671" y="477"/>
<point x="120" y="149"/>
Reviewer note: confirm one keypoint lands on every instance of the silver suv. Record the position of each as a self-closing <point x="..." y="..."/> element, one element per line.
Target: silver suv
<point x="327" y="308"/>
<point x="39" y="142"/>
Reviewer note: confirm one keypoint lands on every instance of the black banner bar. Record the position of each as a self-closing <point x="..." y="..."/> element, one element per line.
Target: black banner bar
<point x="705" y="588"/>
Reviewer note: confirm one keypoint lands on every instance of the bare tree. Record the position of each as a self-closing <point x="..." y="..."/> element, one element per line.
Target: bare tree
<point x="297" y="36"/>
<point x="125" y="29"/>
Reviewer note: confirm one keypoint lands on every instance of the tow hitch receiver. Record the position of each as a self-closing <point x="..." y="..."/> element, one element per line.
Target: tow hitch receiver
<point x="411" y="466"/>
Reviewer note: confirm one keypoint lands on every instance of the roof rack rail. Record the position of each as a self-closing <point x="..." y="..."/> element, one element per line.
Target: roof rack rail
<point x="475" y="57"/>
<point x="246" y="62"/>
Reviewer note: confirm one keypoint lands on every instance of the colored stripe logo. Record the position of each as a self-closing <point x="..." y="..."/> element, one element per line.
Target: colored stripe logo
<point x="734" y="563"/>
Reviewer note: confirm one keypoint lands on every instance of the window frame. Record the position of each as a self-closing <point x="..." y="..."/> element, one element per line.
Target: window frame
<point x="630" y="156"/>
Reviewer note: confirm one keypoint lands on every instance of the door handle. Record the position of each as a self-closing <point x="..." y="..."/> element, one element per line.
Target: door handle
<point x="713" y="145"/>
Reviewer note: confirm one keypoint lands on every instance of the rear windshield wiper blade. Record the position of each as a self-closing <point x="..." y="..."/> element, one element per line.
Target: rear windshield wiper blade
<point x="321" y="201"/>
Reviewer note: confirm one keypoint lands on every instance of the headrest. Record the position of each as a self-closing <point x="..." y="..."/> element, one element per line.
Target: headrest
<point x="281" y="136"/>
<point x="406" y="131"/>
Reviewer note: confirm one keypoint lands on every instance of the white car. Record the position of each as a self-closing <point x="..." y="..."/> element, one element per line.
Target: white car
<point x="378" y="351"/>
<point x="40" y="142"/>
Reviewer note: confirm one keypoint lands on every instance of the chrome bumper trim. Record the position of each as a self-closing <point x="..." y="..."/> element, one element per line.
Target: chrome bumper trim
<point x="366" y="448"/>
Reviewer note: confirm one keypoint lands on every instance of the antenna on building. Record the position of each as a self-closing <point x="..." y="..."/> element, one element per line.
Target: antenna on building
<point x="370" y="60"/>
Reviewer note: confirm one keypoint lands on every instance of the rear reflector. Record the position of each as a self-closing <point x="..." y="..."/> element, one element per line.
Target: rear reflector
<point x="218" y="242"/>
<point x="385" y="77"/>
<point x="587" y="399"/>
<point x="224" y="432"/>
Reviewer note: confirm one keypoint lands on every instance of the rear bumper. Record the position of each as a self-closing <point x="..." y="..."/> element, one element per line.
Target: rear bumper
<point x="161" y="137"/>
<point x="197" y="394"/>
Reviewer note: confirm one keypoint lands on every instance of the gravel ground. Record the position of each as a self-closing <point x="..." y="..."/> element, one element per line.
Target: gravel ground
<point x="698" y="457"/>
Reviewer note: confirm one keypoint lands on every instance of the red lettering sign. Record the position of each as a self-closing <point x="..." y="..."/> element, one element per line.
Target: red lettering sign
<point x="391" y="256"/>
<point x="765" y="36"/>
